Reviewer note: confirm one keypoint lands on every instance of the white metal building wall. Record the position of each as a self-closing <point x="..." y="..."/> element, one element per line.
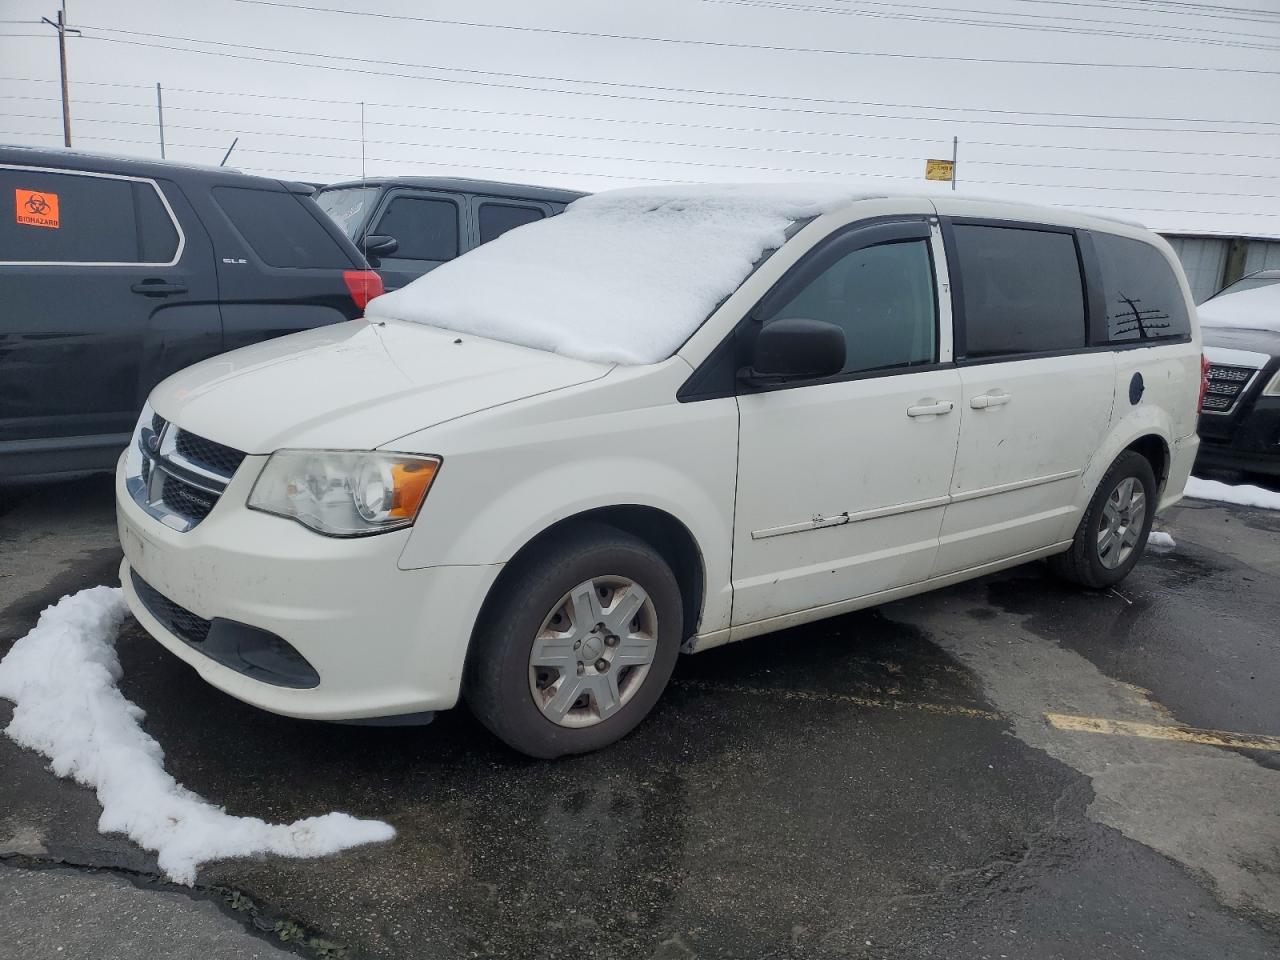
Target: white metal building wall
<point x="1261" y="255"/>
<point x="1203" y="260"/>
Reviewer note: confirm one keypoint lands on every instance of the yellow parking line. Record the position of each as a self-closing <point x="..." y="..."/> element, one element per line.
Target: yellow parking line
<point x="1152" y="731"/>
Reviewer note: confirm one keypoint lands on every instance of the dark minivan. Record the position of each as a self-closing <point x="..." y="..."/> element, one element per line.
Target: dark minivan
<point x="410" y="225"/>
<point x="116" y="272"/>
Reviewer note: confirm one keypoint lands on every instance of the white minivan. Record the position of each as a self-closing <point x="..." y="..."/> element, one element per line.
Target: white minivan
<point x="665" y="420"/>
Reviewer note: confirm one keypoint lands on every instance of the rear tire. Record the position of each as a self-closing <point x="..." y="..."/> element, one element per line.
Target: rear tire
<point x="1113" y="531"/>
<point x="577" y="643"/>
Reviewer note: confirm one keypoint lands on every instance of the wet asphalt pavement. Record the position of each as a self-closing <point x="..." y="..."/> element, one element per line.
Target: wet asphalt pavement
<point x="884" y="784"/>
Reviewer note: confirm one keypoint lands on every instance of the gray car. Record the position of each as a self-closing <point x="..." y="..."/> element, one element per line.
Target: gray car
<point x="410" y="225"/>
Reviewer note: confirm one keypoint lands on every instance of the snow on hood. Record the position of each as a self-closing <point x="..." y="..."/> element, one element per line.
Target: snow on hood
<point x="623" y="276"/>
<point x="1256" y="309"/>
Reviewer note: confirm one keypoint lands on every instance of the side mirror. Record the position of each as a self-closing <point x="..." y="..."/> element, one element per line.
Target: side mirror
<point x="380" y="245"/>
<point x="796" y="348"/>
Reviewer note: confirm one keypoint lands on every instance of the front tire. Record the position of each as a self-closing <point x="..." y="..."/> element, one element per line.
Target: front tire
<point x="577" y="643"/>
<point x="1113" y="531"/>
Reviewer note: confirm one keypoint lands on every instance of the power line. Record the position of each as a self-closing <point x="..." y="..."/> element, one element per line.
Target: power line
<point x="640" y="141"/>
<point x="933" y="58"/>
<point x="637" y="97"/>
<point x="732" y="166"/>
<point x="667" y="123"/>
<point x="1199" y="38"/>
<point x="697" y="90"/>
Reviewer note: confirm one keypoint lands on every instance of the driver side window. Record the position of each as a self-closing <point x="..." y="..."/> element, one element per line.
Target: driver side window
<point x="883" y="298"/>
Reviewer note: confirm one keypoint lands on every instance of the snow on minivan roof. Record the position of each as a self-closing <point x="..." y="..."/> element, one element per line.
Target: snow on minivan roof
<point x="623" y="276"/>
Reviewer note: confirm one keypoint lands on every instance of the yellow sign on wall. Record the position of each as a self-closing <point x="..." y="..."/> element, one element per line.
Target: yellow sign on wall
<point x="939" y="170"/>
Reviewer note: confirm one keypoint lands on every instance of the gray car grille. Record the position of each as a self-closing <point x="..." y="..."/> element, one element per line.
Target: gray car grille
<point x="1226" y="385"/>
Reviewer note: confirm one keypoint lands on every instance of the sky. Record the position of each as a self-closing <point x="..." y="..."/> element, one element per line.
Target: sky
<point x="1164" y="112"/>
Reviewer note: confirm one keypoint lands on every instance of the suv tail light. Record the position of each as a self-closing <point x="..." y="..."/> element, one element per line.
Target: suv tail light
<point x="363" y="285"/>
<point x="1204" y="381"/>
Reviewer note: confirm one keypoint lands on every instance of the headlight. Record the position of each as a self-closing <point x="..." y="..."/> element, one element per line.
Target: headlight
<point x="1273" y="388"/>
<point x="344" y="494"/>
<point x="142" y="430"/>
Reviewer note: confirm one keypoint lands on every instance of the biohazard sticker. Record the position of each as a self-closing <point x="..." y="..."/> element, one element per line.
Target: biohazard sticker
<point x="35" y="208"/>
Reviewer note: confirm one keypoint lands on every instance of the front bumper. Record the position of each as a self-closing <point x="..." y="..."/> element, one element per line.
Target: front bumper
<point x="1248" y="440"/>
<point x="383" y="641"/>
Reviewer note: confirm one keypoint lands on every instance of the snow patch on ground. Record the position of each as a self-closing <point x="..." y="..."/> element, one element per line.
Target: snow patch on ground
<point x="62" y="678"/>
<point x="1160" y="541"/>
<point x="624" y="276"/>
<point x="1242" y="494"/>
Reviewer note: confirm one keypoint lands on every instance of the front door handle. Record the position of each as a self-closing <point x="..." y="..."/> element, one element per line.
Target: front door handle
<point x="158" y="288"/>
<point x="995" y="398"/>
<point x="930" y="408"/>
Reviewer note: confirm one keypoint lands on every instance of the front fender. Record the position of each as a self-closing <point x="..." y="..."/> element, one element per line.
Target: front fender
<point x="506" y="479"/>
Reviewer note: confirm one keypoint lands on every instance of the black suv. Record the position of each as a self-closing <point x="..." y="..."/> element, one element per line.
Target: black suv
<point x="409" y="225"/>
<point x="116" y="272"/>
<point x="1240" y="417"/>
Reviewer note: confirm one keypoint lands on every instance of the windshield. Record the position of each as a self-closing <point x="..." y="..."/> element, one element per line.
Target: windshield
<point x="1248" y="283"/>
<point x="349" y="207"/>
<point x="624" y="276"/>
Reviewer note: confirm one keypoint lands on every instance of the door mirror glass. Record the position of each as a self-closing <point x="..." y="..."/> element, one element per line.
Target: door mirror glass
<point x="380" y="245"/>
<point x="797" y="348"/>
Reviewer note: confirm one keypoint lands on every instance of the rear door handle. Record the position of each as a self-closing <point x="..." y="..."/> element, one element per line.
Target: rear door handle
<point x="929" y="408"/>
<point x="995" y="398"/>
<point x="158" y="288"/>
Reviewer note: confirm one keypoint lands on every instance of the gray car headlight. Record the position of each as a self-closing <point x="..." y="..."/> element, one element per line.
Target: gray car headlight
<point x="344" y="493"/>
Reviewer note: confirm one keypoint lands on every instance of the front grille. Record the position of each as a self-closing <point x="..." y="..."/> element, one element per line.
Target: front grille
<point x="182" y="475"/>
<point x="185" y="499"/>
<point x="1226" y="384"/>
<point x="176" y="619"/>
<point x="209" y="454"/>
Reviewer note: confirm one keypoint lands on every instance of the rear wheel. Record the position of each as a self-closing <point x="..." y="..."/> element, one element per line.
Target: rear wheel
<point x="1113" y="531"/>
<point x="577" y="644"/>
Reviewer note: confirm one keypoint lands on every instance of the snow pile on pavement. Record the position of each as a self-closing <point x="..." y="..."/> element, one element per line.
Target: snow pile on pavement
<point x="1160" y="541"/>
<point x="1241" y="494"/>
<point x="623" y="276"/>
<point x="1256" y="309"/>
<point x="62" y="680"/>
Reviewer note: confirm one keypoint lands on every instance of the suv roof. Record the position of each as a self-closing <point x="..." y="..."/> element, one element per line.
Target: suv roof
<point x="468" y="185"/>
<point x="61" y="158"/>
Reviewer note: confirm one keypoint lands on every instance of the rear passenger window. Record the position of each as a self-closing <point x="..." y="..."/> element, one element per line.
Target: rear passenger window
<point x="157" y="238"/>
<point x="883" y="299"/>
<point x="74" y="218"/>
<point x="1144" y="299"/>
<point x="497" y="218"/>
<point x="279" y="228"/>
<point x="1022" y="290"/>
<point x="426" y="229"/>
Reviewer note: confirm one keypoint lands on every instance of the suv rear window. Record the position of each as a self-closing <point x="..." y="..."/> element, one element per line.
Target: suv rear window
<point x="348" y="207"/>
<point x="1144" y="299"/>
<point x="497" y="218"/>
<point x="279" y="228"/>
<point x="75" y="218"/>
<point x="1023" y="291"/>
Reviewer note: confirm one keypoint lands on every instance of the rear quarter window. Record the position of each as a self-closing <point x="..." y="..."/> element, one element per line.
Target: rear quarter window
<point x="497" y="218"/>
<point x="280" y="228"/>
<point x="77" y="218"/>
<point x="1144" y="298"/>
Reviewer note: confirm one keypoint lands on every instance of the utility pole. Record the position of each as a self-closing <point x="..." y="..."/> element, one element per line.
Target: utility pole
<point x="160" y="116"/>
<point x="63" y="30"/>
<point x="955" y="156"/>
